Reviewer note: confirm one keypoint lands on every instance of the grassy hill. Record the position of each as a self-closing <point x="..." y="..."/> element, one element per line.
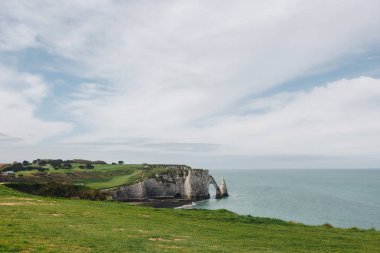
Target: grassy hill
<point x="40" y="224"/>
<point x="102" y="176"/>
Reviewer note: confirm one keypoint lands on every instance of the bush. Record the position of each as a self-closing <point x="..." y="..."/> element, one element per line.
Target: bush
<point x="87" y="166"/>
<point x="66" y="165"/>
<point x="42" y="162"/>
<point x="59" y="190"/>
<point x="328" y="225"/>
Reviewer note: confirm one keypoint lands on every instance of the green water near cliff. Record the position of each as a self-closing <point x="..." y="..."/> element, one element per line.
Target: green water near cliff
<point x="343" y="198"/>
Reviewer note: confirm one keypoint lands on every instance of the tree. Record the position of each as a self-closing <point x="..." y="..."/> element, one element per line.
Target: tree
<point x="120" y="162"/>
<point x="56" y="163"/>
<point x="25" y="163"/>
<point x="17" y="166"/>
<point x="41" y="162"/>
<point x="66" y="165"/>
<point x="89" y="166"/>
<point x="86" y="166"/>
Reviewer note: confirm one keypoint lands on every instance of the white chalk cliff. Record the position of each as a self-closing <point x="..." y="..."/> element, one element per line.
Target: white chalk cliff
<point x="180" y="182"/>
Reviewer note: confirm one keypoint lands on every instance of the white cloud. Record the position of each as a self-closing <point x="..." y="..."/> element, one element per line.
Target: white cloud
<point x="341" y="118"/>
<point x="337" y="119"/>
<point x="20" y="94"/>
<point x="16" y="36"/>
<point x="176" y="71"/>
<point x="27" y="85"/>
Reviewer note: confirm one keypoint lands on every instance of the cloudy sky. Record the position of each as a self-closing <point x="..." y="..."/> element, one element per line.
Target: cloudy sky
<point x="213" y="84"/>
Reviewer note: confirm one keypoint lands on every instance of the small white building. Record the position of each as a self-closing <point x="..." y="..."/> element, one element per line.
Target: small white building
<point x="7" y="173"/>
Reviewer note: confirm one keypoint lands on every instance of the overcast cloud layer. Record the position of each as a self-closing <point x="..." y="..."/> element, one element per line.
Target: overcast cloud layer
<point x="245" y="84"/>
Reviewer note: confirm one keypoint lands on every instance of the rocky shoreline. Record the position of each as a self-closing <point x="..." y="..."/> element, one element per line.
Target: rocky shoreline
<point x="160" y="203"/>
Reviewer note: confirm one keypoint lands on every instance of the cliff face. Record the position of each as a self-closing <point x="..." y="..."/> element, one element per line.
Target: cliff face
<point x="126" y="192"/>
<point x="184" y="183"/>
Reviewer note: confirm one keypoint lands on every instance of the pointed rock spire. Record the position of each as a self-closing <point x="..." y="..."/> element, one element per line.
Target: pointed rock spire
<point x="223" y="188"/>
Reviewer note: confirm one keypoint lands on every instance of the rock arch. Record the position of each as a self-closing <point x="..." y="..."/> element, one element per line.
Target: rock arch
<point x="218" y="193"/>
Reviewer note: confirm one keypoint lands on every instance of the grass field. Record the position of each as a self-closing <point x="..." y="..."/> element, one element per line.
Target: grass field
<point x="102" y="176"/>
<point x="37" y="224"/>
<point x="111" y="181"/>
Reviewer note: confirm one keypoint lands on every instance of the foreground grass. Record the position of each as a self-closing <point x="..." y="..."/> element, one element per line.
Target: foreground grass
<point x="37" y="224"/>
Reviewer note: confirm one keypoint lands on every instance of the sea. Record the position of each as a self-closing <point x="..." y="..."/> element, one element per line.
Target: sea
<point x="340" y="197"/>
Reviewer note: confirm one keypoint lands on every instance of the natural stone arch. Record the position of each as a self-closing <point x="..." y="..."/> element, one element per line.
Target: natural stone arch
<point x="218" y="193"/>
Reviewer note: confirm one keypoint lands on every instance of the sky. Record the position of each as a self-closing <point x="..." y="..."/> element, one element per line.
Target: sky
<point x="212" y="84"/>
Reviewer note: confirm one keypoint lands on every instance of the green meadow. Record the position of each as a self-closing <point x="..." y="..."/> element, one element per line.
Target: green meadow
<point x="102" y="176"/>
<point x="40" y="224"/>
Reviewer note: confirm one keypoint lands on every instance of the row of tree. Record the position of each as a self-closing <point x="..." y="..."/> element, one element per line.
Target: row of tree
<point x="55" y="163"/>
<point x="16" y="166"/>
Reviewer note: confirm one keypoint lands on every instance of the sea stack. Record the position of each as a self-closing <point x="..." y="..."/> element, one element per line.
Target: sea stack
<point x="223" y="188"/>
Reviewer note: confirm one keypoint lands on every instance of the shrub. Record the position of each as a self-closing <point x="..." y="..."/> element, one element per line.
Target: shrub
<point x="328" y="225"/>
<point x="89" y="166"/>
<point x="59" y="190"/>
<point x="42" y="162"/>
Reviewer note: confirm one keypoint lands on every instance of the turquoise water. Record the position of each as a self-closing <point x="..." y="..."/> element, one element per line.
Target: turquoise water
<point x="343" y="198"/>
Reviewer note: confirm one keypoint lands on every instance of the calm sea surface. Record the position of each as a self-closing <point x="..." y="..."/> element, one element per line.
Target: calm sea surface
<point x="343" y="198"/>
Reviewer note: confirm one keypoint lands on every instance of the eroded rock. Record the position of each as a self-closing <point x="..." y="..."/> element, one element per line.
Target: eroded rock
<point x="177" y="181"/>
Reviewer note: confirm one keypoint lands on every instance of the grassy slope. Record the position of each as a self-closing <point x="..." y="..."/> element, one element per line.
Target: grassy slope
<point x="101" y="177"/>
<point x="37" y="224"/>
<point x="111" y="182"/>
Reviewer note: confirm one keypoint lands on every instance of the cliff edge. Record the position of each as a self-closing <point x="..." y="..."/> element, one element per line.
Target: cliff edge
<point x="170" y="182"/>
